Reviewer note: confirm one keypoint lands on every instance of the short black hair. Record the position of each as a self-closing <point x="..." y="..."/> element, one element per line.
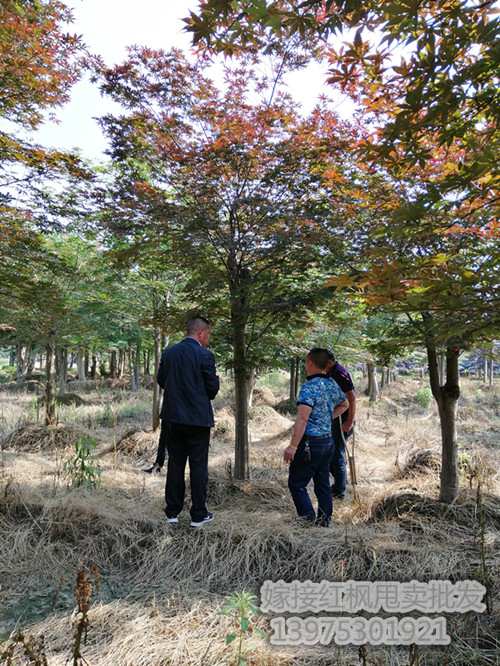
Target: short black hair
<point x="196" y="324"/>
<point x="320" y="357"/>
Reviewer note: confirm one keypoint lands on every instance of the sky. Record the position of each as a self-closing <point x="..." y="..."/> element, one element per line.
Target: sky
<point x="107" y="28"/>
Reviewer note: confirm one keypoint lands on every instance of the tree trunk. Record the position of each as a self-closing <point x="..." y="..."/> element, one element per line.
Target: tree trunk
<point x="93" y="367"/>
<point x="121" y="363"/>
<point x="147" y="363"/>
<point x="297" y="376"/>
<point x="80" y="364"/>
<point x="19" y="363"/>
<point x="113" y="365"/>
<point x="446" y="397"/>
<point x="61" y="361"/>
<point x="156" y="387"/>
<point x="50" y="398"/>
<point x="491" y="372"/>
<point x="12" y="357"/>
<point x="293" y="367"/>
<point x="382" y="378"/>
<point x="30" y="360"/>
<point x="251" y="386"/>
<point x="241" y="376"/>
<point x="373" y="391"/>
<point x="87" y="364"/>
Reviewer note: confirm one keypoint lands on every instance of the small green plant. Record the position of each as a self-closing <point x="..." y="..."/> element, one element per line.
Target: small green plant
<point x="424" y="397"/>
<point x="81" y="469"/>
<point x="242" y="608"/>
<point x="107" y="418"/>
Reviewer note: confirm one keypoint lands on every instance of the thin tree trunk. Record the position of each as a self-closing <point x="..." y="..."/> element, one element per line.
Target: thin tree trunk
<point x="297" y="376"/>
<point x="373" y="391"/>
<point x="93" y="367"/>
<point x="50" y="398"/>
<point x="61" y="362"/>
<point x="491" y="372"/>
<point x="19" y="363"/>
<point x="241" y="453"/>
<point x="382" y="378"/>
<point x="121" y="363"/>
<point x="131" y="366"/>
<point x="80" y="364"/>
<point x="293" y="394"/>
<point x="30" y="360"/>
<point x="113" y="365"/>
<point x="87" y="364"/>
<point x="251" y="386"/>
<point x="12" y="357"/>
<point x="147" y="363"/>
<point x="156" y="387"/>
<point x="446" y="397"/>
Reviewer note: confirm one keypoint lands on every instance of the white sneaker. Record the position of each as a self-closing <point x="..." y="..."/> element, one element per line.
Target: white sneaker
<point x="172" y="521"/>
<point x="208" y="519"/>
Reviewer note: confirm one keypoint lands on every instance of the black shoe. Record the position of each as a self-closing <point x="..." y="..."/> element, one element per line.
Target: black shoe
<point x="156" y="469"/>
<point x="337" y="495"/>
<point x="199" y="523"/>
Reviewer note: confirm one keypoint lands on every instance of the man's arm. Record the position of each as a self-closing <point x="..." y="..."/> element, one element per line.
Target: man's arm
<point x="209" y="373"/>
<point x="340" y="409"/>
<point x="351" y="397"/>
<point x="161" y="377"/>
<point x="303" y="413"/>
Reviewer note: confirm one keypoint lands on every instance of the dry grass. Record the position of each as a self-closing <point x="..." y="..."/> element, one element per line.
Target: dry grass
<point x="162" y="589"/>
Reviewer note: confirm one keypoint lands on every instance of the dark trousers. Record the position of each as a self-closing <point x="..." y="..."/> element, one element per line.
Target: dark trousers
<point x="338" y="460"/>
<point x="317" y="468"/>
<point x="187" y="443"/>
<point x="162" y="444"/>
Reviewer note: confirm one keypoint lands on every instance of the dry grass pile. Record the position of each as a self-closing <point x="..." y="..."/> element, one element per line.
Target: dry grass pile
<point x="42" y="438"/>
<point x="138" y="443"/>
<point x="31" y="386"/>
<point x="420" y="461"/>
<point x="223" y="493"/>
<point x="86" y="386"/>
<point x="463" y="512"/>
<point x="263" y="395"/>
<point x="224" y="425"/>
<point x="72" y="399"/>
<point x="267" y="420"/>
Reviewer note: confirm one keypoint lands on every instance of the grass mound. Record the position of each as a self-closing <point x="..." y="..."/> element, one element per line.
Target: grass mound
<point x="224" y="492"/>
<point x="138" y="443"/>
<point x="224" y="424"/>
<point x="463" y="512"/>
<point x="66" y="399"/>
<point x="263" y="396"/>
<point x="34" y="438"/>
<point x="266" y="419"/>
<point x="421" y="461"/>
<point x="286" y="407"/>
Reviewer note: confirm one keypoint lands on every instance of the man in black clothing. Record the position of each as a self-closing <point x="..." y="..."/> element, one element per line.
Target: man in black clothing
<point x="188" y="377"/>
<point x="341" y="428"/>
<point x="161" y="451"/>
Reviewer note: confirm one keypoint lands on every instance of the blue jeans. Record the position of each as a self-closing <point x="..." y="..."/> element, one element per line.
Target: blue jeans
<point x="337" y="463"/>
<point x="302" y="471"/>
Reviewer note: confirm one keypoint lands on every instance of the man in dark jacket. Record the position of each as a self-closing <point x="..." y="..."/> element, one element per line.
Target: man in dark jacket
<point x="341" y="428"/>
<point x="188" y="377"/>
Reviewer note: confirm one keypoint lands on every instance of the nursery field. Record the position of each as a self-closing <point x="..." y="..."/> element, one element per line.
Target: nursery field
<point x="150" y="595"/>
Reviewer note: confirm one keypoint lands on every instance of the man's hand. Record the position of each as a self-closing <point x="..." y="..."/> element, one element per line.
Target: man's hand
<point x="289" y="453"/>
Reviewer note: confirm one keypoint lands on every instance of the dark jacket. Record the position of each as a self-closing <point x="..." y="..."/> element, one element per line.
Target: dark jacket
<point x="187" y="375"/>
